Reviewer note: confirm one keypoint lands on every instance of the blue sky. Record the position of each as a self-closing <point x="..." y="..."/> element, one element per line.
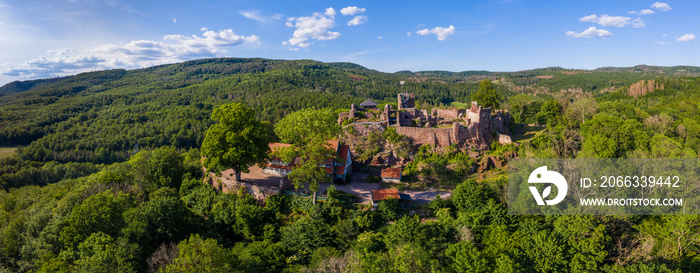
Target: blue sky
<point x="49" y="38"/>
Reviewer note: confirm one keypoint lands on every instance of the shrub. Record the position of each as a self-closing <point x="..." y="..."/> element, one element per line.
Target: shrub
<point x="389" y="209"/>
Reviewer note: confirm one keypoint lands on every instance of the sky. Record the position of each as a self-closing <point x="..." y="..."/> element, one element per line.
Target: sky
<point x="52" y="38"/>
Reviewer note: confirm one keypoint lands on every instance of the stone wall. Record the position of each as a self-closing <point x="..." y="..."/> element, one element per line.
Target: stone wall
<point x="386" y="114"/>
<point x="464" y="133"/>
<point x="485" y="128"/>
<point x="342" y="117"/>
<point x="450" y="114"/>
<point x="404" y="117"/>
<point x="365" y="129"/>
<point x="430" y="136"/>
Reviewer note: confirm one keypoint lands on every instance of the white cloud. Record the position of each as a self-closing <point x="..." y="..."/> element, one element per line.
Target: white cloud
<point x="174" y="21"/>
<point x="330" y="12"/>
<point x="357" y="20"/>
<point x="352" y="10"/>
<point x="255" y="15"/>
<point x="591" y="32"/>
<point x="590" y="18"/>
<point x="408" y="34"/>
<point x="58" y="63"/>
<point x="642" y="12"/>
<point x="380" y="37"/>
<point x="441" y="32"/>
<point x="661" y="42"/>
<point x="316" y="27"/>
<point x="142" y="53"/>
<point x="686" y="38"/>
<point x="606" y="20"/>
<point x="661" y="6"/>
<point x="175" y="48"/>
<point x="203" y="29"/>
<point x="638" y="23"/>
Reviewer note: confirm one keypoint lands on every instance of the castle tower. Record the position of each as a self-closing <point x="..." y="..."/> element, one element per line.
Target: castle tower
<point x="406" y="100"/>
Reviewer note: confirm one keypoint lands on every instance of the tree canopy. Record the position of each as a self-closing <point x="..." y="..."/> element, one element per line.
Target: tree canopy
<point x="303" y="126"/>
<point x="238" y="141"/>
<point x="487" y="96"/>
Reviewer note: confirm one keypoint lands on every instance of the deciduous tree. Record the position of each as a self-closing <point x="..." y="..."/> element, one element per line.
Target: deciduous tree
<point x="303" y="126"/>
<point x="238" y="141"/>
<point x="487" y="96"/>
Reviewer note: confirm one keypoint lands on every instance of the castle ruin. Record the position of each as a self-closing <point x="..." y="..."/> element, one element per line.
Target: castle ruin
<point x="440" y="127"/>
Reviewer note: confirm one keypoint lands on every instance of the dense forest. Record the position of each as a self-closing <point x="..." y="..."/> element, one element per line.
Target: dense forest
<point x="108" y="176"/>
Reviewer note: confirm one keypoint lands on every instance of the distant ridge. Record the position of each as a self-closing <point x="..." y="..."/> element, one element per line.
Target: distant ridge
<point x="681" y="70"/>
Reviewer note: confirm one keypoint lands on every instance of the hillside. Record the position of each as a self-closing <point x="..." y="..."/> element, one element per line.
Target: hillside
<point x="105" y="116"/>
<point x="102" y="116"/>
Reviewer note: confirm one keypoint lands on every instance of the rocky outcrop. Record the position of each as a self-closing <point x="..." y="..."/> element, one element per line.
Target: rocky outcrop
<point x="260" y="193"/>
<point x="504" y="139"/>
<point x="641" y="88"/>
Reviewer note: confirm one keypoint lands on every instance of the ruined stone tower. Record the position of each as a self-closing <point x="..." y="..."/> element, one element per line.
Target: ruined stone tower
<point x="406" y="100"/>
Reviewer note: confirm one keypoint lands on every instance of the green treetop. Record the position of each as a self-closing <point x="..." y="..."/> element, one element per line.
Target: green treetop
<point x="486" y="95"/>
<point x="238" y="141"/>
<point x="304" y="125"/>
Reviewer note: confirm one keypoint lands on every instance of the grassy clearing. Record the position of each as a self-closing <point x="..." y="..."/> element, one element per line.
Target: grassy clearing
<point x="460" y="105"/>
<point x="7" y="151"/>
<point x="530" y="132"/>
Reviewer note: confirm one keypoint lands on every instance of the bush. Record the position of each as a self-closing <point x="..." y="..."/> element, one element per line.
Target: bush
<point x="334" y="194"/>
<point x="373" y="179"/>
<point x="389" y="209"/>
<point x="369" y="241"/>
<point x="470" y="196"/>
<point x="299" y="203"/>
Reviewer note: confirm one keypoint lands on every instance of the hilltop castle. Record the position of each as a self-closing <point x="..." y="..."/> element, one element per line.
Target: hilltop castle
<point x="440" y="127"/>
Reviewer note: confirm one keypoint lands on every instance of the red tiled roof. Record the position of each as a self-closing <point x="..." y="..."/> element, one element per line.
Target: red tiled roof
<point x="343" y="151"/>
<point x="276" y="145"/>
<point x="279" y="166"/>
<point x="391" y="172"/>
<point x="378" y="195"/>
<point x="333" y="143"/>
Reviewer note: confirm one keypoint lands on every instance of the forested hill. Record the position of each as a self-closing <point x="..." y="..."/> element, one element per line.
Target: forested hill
<point x="104" y="116"/>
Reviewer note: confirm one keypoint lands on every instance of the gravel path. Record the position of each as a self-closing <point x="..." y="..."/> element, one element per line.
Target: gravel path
<point x="426" y="196"/>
